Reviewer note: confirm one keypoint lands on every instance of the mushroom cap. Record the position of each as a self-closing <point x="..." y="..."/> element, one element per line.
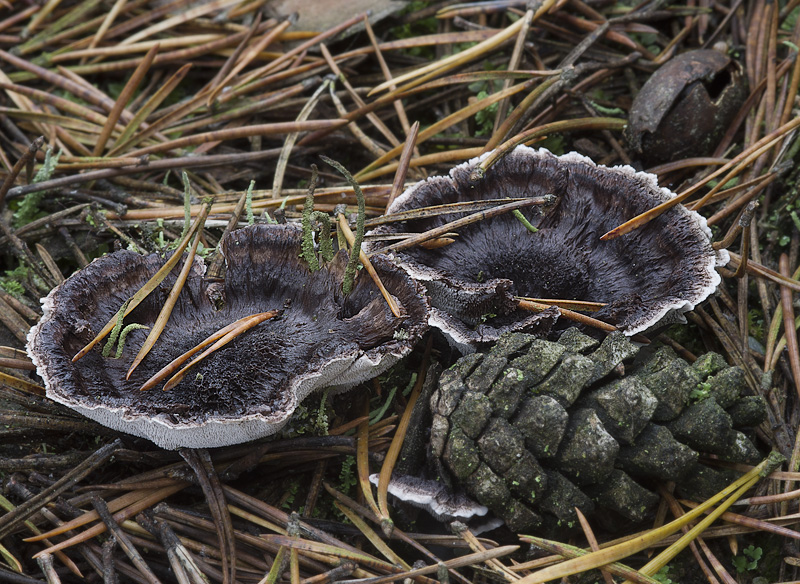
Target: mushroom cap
<point x="667" y="265"/>
<point x="247" y="389"/>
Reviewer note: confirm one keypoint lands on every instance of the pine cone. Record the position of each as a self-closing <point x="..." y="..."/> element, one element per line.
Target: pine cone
<point x="533" y="429"/>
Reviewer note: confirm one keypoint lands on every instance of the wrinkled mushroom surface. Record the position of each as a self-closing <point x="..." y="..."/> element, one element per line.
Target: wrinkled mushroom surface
<point x="250" y="387"/>
<point x="667" y="265"/>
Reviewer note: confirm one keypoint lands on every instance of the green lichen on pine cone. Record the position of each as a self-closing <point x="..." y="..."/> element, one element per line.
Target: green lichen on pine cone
<point x="533" y="428"/>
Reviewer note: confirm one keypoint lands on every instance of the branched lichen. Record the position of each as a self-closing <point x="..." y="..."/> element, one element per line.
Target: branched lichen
<point x="308" y="253"/>
<point x="248" y="203"/>
<point x="120" y="333"/>
<point x="325" y="243"/>
<point x="121" y="346"/>
<point x="115" y="332"/>
<point x="522" y="219"/>
<point x="352" y="264"/>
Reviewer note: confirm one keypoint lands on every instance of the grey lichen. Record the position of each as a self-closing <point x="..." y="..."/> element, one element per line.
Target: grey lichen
<point x="308" y="253"/>
<point x="352" y="264"/>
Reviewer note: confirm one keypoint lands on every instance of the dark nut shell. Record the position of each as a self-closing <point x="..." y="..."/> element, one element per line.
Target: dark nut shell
<point x="685" y="107"/>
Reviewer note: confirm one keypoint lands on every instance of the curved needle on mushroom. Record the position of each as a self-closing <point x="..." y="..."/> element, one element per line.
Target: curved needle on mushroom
<point x="222" y="337"/>
<point x="166" y="310"/>
<point x="565" y="312"/>
<point x="568" y="304"/>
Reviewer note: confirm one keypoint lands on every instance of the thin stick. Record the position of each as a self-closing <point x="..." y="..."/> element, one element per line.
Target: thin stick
<point x="26" y="157"/>
<point x="403" y="164"/>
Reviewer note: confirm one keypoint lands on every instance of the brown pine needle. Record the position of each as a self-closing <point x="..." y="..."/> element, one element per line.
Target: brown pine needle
<point x="403" y="164"/>
<point x="138" y="120"/>
<point x="459" y="155"/>
<point x="244" y="325"/>
<point x="590" y="537"/>
<point x="436" y="128"/>
<point x="424" y="73"/>
<point x="128" y="512"/>
<point x="251" y="54"/>
<point x="89" y="516"/>
<point x="348" y="235"/>
<point x="436" y="210"/>
<point x="26" y="157"/>
<point x="393" y="453"/>
<point x="122" y="101"/>
<point x="734" y="166"/>
<point x="569" y="304"/>
<point x="276" y="128"/>
<point x="569" y="551"/>
<point x="21" y="384"/>
<point x="362" y="457"/>
<point x="372" y="536"/>
<point x="169" y="304"/>
<point x="790" y="331"/>
<point x="578" y="124"/>
<point x="151" y="284"/>
<point x="566" y="313"/>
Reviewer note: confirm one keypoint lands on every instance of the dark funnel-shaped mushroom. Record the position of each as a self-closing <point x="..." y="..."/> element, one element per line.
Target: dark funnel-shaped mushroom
<point x="666" y="266"/>
<point x="248" y="388"/>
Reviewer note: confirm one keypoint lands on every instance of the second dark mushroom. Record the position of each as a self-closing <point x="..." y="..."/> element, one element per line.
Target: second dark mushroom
<point x="667" y="266"/>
